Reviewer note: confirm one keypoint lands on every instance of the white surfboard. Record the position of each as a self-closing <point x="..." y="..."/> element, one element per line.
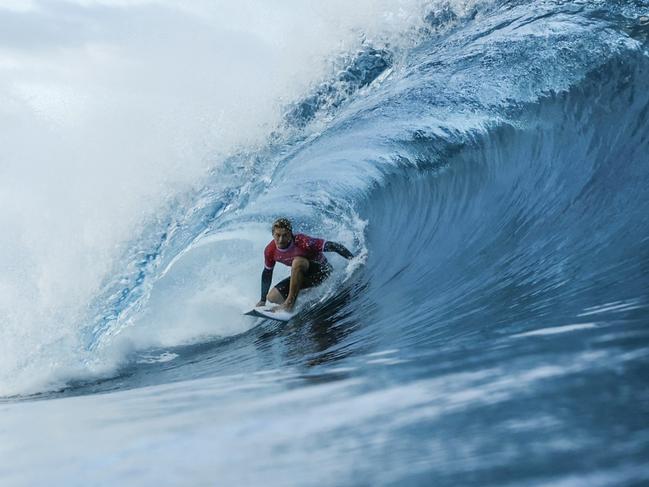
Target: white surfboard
<point x="267" y="312"/>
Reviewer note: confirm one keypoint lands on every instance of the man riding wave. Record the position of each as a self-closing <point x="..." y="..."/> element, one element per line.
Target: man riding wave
<point x="304" y="255"/>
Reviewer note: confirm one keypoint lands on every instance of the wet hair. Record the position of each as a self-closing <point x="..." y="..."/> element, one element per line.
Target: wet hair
<point x="284" y="223"/>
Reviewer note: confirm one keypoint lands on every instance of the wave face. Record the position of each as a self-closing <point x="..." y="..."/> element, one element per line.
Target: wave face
<point x="488" y="165"/>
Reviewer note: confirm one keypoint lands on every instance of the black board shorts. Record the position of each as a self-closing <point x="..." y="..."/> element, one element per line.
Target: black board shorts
<point x="315" y="275"/>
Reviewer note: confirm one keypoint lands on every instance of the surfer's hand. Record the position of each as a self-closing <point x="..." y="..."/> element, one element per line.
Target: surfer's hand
<point x="260" y="303"/>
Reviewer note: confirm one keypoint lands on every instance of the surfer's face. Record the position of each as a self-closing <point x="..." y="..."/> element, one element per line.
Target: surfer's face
<point x="282" y="237"/>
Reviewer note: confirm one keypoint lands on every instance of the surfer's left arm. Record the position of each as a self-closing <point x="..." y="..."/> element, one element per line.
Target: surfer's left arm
<point x="338" y="248"/>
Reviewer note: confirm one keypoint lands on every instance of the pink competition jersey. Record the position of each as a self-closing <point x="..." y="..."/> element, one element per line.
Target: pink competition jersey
<point x="301" y="246"/>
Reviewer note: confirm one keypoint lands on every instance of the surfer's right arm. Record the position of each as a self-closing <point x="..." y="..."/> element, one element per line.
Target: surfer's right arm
<point x="266" y="279"/>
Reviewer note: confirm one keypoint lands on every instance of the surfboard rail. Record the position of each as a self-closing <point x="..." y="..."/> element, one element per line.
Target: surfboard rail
<point x="269" y="313"/>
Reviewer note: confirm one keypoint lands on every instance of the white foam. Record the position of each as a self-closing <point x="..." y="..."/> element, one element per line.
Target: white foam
<point x="557" y="329"/>
<point x="108" y="117"/>
<point x="615" y="306"/>
<point x="154" y="359"/>
<point x="383" y="352"/>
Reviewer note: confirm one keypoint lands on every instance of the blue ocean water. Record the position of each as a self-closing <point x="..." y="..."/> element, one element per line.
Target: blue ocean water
<point x="491" y="175"/>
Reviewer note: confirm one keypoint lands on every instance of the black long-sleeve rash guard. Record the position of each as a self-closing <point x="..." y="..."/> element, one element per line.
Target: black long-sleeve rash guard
<point x="338" y="248"/>
<point x="266" y="279"/>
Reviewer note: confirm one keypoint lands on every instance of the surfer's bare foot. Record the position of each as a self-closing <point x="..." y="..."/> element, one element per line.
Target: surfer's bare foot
<point x="287" y="306"/>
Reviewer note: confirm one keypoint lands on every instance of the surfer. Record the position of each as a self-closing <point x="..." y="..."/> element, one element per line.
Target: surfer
<point x="304" y="255"/>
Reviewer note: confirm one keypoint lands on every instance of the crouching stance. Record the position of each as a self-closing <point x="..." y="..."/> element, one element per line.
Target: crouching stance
<point x="304" y="255"/>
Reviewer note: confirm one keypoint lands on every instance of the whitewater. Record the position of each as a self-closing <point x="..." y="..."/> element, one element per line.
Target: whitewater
<point x="486" y="161"/>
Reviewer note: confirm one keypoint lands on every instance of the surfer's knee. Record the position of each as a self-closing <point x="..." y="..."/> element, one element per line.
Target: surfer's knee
<point x="300" y="263"/>
<point x="274" y="296"/>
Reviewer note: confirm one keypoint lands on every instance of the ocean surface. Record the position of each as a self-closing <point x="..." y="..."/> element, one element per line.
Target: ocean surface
<point x="486" y="161"/>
